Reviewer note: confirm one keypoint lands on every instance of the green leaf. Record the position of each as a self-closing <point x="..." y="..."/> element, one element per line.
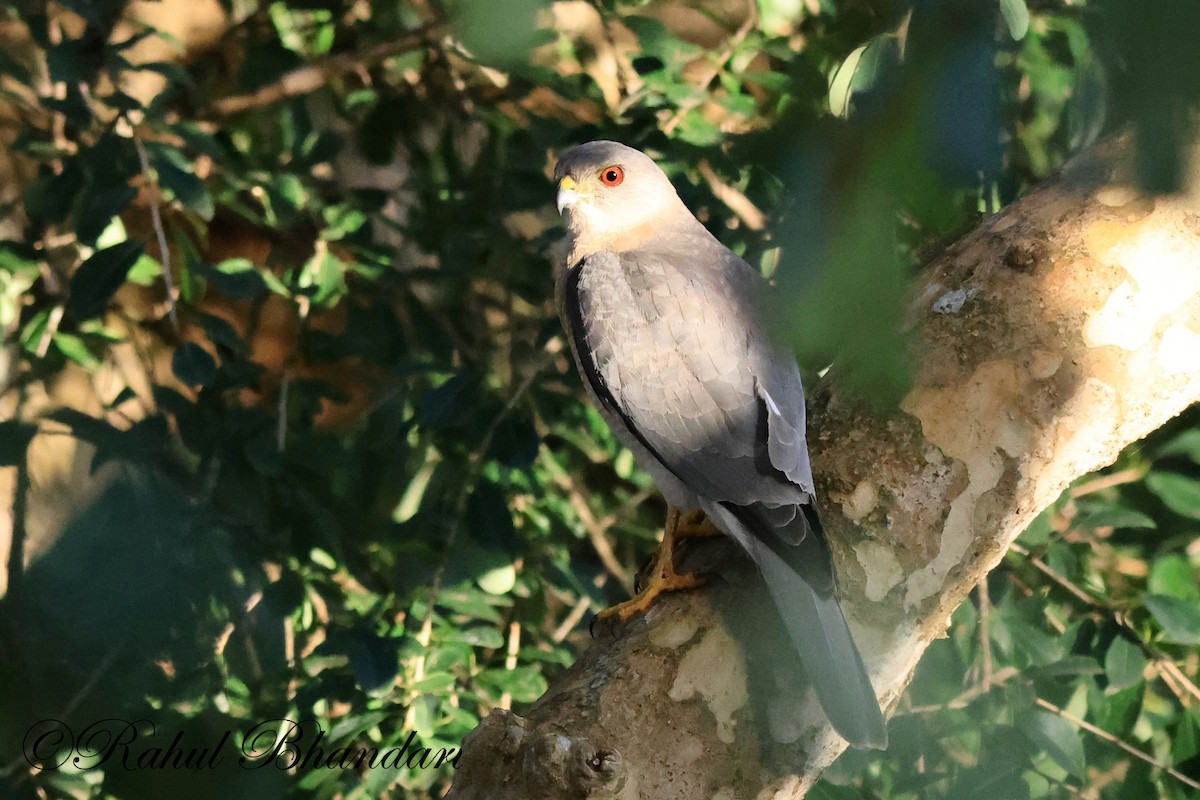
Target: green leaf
<point x="439" y="683"/>
<point x="500" y="580"/>
<point x="1016" y="14"/>
<point x="341" y="220"/>
<point x="99" y="278"/>
<point x="525" y="684"/>
<point x="140" y="443"/>
<point x="17" y="258"/>
<point x="451" y="403"/>
<point x="1123" y="664"/>
<point x="235" y="266"/>
<point x="356" y="724"/>
<point x="515" y="442"/>
<point x="1119" y="711"/>
<point x="35" y="330"/>
<point x="193" y="365"/>
<point x="323" y="277"/>
<point x="1040" y="647"/>
<point x="1186" y="444"/>
<point x="15" y="69"/>
<point x="322" y="559"/>
<point x="1139" y="783"/>
<point x="97" y="208"/>
<point x="15" y="437"/>
<point x="236" y="278"/>
<point x="274" y="284"/>
<point x="284" y="595"/>
<point x="1039" y="531"/>
<point x="374" y="660"/>
<point x="1173" y="575"/>
<point x="1179" y="619"/>
<point x="125" y="395"/>
<point x="173" y="72"/>
<point x="861" y="72"/>
<point x="145" y="271"/>
<point x="425" y="709"/>
<point x="1003" y="783"/>
<point x="1057" y="738"/>
<point x="695" y="128"/>
<point x="476" y="636"/>
<point x="263" y="454"/>
<point x="50" y="198"/>
<point x="1186" y="742"/>
<point x="377" y="138"/>
<point x="843" y="77"/>
<point x="826" y="790"/>
<point x="1178" y="492"/>
<point x="183" y="184"/>
<point x="1115" y="517"/>
<point x="476" y="605"/>
<point x="657" y="40"/>
<point x="75" y="349"/>
<point x="1070" y="666"/>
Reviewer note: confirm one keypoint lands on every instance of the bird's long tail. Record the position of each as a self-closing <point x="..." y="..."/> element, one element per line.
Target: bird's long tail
<point x="800" y="580"/>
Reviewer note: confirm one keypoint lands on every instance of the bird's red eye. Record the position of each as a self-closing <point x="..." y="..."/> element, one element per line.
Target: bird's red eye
<point x="612" y="176"/>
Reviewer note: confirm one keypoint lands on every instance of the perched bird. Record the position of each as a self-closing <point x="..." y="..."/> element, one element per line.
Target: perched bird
<point x="665" y="327"/>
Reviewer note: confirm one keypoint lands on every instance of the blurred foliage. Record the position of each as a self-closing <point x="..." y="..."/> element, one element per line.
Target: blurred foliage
<point x="337" y="463"/>
<point x="1093" y="616"/>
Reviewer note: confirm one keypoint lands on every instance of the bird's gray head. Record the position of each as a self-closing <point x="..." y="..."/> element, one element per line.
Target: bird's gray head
<point x="613" y="196"/>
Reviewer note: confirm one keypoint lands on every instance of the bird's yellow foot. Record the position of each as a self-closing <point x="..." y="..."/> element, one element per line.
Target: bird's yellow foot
<point x="662" y="577"/>
<point x="693" y="525"/>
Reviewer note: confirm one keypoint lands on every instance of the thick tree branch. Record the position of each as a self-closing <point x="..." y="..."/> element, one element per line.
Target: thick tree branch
<point x="1051" y="337"/>
<point x="311" y="77"/>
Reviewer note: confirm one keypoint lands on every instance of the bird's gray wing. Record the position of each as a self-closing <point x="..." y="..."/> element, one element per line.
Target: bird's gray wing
<point x="799" y="578"/>
<point x="678" y="353"/>
<point x="783" y="395"/>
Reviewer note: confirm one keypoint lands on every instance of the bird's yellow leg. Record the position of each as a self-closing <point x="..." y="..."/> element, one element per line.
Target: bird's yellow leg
<point x="693" y="525"/>
<point x="663" y="577"/>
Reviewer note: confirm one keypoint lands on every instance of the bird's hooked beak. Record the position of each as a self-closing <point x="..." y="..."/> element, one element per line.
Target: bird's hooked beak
<point x="568" y="193"/>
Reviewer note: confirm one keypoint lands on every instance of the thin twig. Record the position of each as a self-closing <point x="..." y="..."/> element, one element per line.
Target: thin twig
<point x="281" y="413"/>
<point x="985" y="634"/>
<point x="424" y="636"/>
<point x="87" y="688"/>
<point x="52" y="323"/>
<point x="1179" y="683"/>
<point x="475" y="464"/>
<point x="311" y="77"/>
<point x="718" y="63"/>
<point x="635" y="500"/>
<point x="572" y="619"/>
<point x="1108" y="481"/>
<point x="223" y="638"/>
<point x="1052" y="574"/>
<point x="745" y="210"/>
<point x="510" y="659"/>
<point x="20" y="509"/>
<point x="289" y="655"/>
<point x="75" y="700"/>
<point x="999" y="678"/>
<point x="156" y="219"/>
<point x="597" y="532"/>
<point x="56" y="89"/>
<point x="1108" y="737"/>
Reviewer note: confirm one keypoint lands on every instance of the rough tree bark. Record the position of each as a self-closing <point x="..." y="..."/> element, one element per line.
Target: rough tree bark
<point x="1052" y="336"/>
